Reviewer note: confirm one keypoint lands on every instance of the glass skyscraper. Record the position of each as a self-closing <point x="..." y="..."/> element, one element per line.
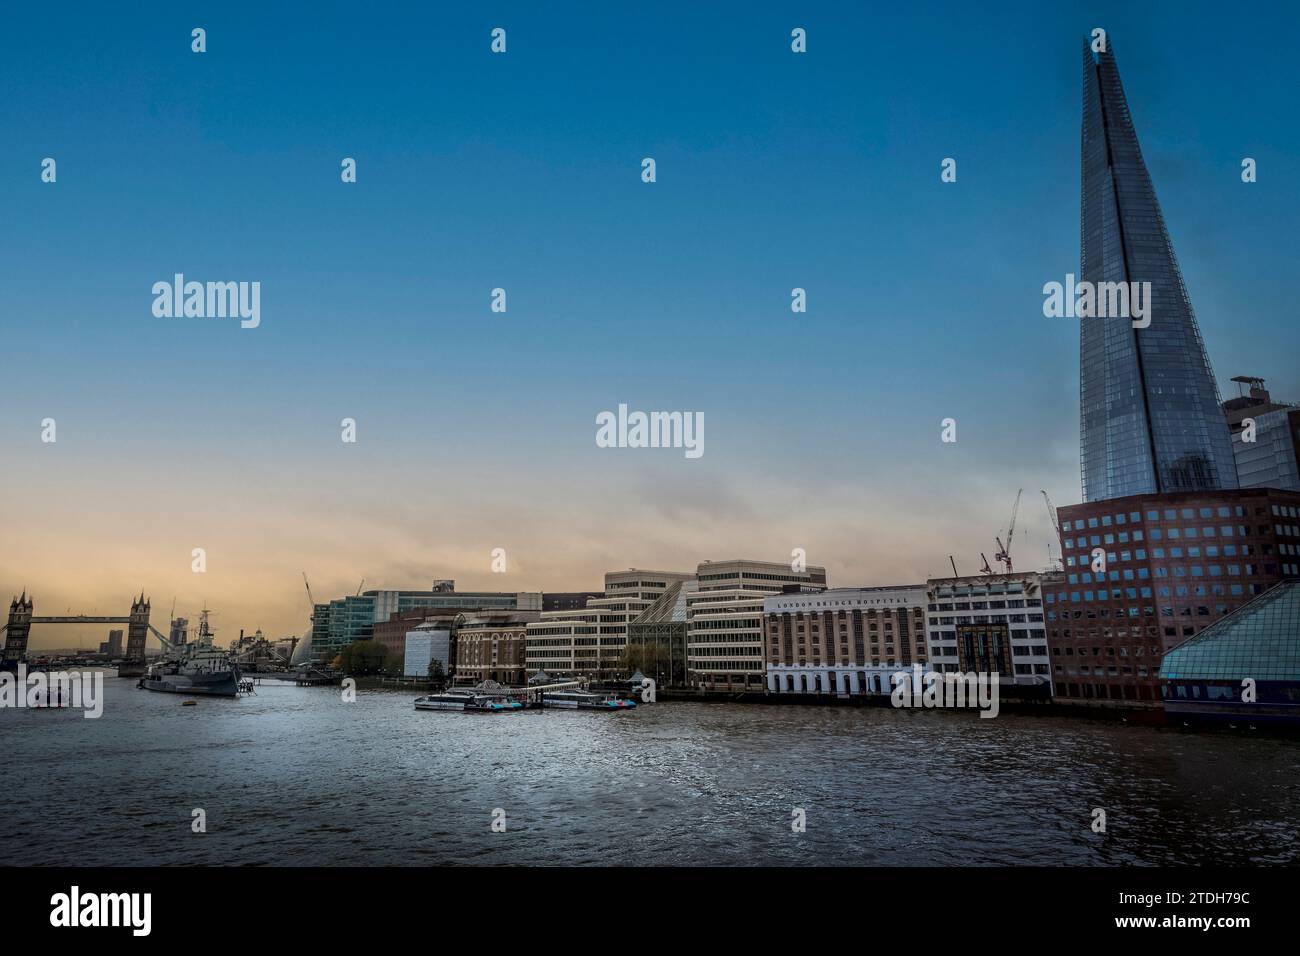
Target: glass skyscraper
<point x="1150" y="419"/>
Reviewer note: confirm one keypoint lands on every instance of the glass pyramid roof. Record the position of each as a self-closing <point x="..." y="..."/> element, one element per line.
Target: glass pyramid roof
<point x="1260" y="640"/>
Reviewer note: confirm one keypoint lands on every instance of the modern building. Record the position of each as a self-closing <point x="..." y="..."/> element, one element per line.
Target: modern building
<point x="566" y="643"/>
<point x="724" y="630"/>
<point x="991" y="623"/>
<point x="1265" y="437"/>
<point x="589" y="642"/>
<point x="1150" y="419"/>
<point x="660" y="631"/>
<point x="113" y="646"/>
<point x="1244" y="667"/>
<point x="1252" y="400"/>
<point x="353" y="618"/>
<point x="491" y="645"/>
<point x="179" y="631"/>
<point x="568" y="600"/>
<point x="1145" y="573"/>
<point x="844" y="641"/>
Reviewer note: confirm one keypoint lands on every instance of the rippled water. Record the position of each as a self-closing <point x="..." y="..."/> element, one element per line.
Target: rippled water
<point x="295" y="776"/>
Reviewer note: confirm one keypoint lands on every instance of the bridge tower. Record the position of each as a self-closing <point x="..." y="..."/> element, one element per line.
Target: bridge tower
<point x="137" y="630"/>
<point x="18" y="630"/>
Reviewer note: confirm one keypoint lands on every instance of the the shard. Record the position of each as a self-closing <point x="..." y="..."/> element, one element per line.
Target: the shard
<point x="1150" y="419"/>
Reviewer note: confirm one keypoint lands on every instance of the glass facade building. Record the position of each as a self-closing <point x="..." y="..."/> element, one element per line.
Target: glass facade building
<point x="1272" y="460"/>
<point x="340" y="622"/>
<point x="1260" y="642"/>
<point x="1150" y="419"/>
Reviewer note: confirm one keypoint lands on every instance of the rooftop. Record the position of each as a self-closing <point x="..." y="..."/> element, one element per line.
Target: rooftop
<point x="1261" y="640"/>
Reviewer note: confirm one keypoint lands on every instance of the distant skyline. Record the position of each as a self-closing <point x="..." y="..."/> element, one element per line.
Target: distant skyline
<point x="477" y="430"/>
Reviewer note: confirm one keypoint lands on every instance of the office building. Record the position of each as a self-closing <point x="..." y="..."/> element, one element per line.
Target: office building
<point x="589" y="642"/>
<point x="113" y="646"/>
<point x="566" y="643"/>
<point x="392" y="633"/>
<point x="724" y="628"/>
<point x="990" y="623"/>
<point x="353" y="618"/>
<point x="1265" y="437"/>
<point x="568" y="600"/>
<point x="1149" y="407"/>
<point x="179" y="631"/>
<point x="1145" y="573"/>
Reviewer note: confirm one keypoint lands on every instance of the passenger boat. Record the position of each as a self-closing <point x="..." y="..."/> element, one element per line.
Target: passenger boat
<point x="467" y="701"/>
<point x="585" y="700"/>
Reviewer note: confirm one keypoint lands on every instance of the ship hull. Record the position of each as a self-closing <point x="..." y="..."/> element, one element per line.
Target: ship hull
<point x="223" y="685"/>
<point x="469" y="706"/>
<point x="605" y="705"/>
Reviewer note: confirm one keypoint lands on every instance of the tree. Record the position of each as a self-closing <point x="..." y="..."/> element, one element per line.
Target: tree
<point x="437" y="676"/>
<point x="363" y="657"/>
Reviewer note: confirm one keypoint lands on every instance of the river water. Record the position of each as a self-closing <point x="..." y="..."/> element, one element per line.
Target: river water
<point x="296" y="776"/>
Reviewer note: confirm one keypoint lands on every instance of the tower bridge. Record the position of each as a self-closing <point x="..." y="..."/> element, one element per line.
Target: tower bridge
<point x="17" y="631"/>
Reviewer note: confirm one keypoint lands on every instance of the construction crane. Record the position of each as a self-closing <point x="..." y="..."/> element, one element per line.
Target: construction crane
<point x="1003" y="553"/>
<point x="360" y="586"/>
<point x="986" y="569"/>
<point x="1056" y="524"/>
<point x="1051" y="513"/>
<point x="310" y="600"/>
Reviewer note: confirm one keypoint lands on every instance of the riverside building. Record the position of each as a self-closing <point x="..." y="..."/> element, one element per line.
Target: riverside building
<point x="724" y="628"/>
<point x="490" y="646"/>
<point x="843" y="641"/>
<point x="1245" y="667"/>
<point x="1173" y="565"/>
<point x="589" y="642"/>
<point x="990" y="622"/>
<point x="392" y="633"/>
<point x="660" y="632"/>
<point x="353" y="618"/>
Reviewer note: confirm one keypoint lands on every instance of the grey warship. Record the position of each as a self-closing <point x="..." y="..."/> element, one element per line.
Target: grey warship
<point x="196" y="667"/>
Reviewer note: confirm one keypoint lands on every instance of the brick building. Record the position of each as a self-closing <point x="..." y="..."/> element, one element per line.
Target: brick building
<point x="1173" y="565"/>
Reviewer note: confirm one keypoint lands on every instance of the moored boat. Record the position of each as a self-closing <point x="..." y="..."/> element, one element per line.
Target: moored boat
<point x="466" y="701"/>
<point x="585" y="700"/>
<point x="197" y="667"/>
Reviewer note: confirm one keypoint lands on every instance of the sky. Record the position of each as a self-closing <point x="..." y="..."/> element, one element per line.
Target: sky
<point x="522" y="171"/>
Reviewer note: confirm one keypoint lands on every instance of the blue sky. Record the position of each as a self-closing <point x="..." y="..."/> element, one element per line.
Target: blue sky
<point x="522" y="171"/>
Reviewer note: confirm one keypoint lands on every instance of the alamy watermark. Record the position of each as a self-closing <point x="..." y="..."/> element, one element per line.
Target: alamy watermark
<point x="651" y="430"/>
<point x="75" y="908"/>
<point x="53" y="689"/>
<point x="210" y="300"/>
<point x="917" y="688"/>
<point x="1098" y="300"/>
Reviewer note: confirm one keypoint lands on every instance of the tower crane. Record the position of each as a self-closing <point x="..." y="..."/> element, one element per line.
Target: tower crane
<point x="1051" y="513"/>
<point x="311" y="600"/>
<point x="1003" y="553"/>
<point x="1056" y="524"/>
